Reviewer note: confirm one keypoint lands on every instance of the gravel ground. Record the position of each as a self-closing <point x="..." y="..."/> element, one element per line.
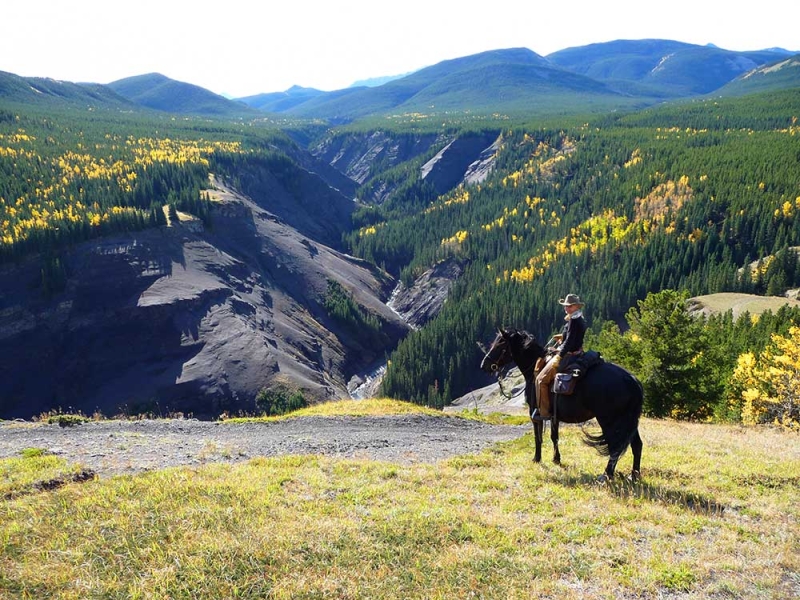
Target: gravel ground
<point x="119" y="447"/>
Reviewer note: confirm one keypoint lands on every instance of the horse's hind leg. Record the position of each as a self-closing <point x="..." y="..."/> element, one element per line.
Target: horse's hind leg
<point x="636" y="449"/>
<point x="554" y="438"/>
<point x="610" y="468"/>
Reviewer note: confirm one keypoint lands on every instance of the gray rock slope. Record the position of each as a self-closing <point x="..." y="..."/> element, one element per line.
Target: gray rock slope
<point x="184" y="319"/>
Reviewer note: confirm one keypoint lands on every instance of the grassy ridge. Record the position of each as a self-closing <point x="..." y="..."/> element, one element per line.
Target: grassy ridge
<point x="716" y="515"/>
<point x="739" y="304"/>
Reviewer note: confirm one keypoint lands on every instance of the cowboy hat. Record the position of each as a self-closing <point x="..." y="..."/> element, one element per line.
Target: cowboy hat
<point x="571" y="300"/>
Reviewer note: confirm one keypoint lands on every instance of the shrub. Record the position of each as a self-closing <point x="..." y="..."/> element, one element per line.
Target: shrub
<point x="279" y="401"/>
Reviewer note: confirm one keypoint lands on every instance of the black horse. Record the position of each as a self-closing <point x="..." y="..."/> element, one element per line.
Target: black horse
<point x="606" y="392"/>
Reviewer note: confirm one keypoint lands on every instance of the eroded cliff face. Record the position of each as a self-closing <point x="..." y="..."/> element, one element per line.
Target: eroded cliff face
<point x="198" y="320"/>
<point x="464" y="159"/>
<point x="361" y="156"/>
<point x="422" y="301"/>
<point x="467" y="159"/>
<point x="186" y="319"/>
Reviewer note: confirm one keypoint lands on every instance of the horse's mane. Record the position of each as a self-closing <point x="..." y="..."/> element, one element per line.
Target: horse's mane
<point x="528" y="339"/>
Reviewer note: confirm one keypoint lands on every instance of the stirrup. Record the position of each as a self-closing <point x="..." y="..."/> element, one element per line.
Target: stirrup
<point x="538" y="417"/>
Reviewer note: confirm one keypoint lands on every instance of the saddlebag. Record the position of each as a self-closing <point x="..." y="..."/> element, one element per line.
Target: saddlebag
<point x="564" y="384"/>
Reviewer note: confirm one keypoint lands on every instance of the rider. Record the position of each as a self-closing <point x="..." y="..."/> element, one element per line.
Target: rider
<point x="570" y="341"/>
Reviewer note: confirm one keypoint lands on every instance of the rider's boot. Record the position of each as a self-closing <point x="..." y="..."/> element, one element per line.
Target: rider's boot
<point x="542" y="413"/>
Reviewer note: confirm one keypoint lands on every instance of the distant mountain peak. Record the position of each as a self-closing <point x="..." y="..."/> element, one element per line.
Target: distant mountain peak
<point x="159" y="92"/>
<point x="378" y="81"/>
<point x="153" y="77"/>
<point x="299" y="88"/>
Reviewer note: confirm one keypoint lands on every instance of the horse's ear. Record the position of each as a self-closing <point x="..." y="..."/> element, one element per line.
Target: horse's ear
<point x="530" y="341"/>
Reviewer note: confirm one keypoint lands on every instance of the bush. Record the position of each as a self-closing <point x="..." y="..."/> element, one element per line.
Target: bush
<point x="67" y="420"/>
<point x="279" y="401"/>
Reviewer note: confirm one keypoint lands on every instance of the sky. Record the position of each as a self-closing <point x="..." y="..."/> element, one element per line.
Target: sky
<point x="245" y="47"/>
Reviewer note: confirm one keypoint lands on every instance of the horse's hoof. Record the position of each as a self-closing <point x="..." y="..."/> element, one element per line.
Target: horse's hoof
<point x="634" y="477"/>
<point x="602" y="479"/>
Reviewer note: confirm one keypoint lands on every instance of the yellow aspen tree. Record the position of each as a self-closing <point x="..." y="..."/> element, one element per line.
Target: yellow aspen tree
<point x="770" y="384"/>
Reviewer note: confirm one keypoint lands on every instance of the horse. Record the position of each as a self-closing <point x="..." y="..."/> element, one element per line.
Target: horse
<point x="606" y="392"/>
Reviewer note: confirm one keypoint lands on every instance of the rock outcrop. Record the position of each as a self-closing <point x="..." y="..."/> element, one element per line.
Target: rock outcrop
<point x="467" y="158"/>
<point x="366" y="157"/>
<point x="191" y="320"/>
<point x="357" y="155"/>
<point x="422" y="301"/>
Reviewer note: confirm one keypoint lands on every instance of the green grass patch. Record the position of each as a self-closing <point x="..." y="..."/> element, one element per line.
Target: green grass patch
<point x="36" y="470"/>
<point x="351" y="408"/>
<point x="375" y="407"/>
<point x="495" y="418"/>
<point x="490" y="525"/>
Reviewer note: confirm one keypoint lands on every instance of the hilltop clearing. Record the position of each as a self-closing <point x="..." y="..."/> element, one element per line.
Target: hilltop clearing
<point x="738" y="303"/>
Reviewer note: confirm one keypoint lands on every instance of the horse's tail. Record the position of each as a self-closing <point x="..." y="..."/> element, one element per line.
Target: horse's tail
<point x="615" y="440"/>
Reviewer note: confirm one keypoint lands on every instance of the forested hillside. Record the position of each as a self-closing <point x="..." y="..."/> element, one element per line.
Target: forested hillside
<point x="68" y="176"/>
<point x="612" y="209"/>
<point x="691" y="198"/>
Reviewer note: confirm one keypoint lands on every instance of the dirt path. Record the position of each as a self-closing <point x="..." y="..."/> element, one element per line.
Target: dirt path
<point x="119" y="447"/>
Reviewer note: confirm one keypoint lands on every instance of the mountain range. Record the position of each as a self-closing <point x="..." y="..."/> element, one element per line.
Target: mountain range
<point x="588" y="79"/>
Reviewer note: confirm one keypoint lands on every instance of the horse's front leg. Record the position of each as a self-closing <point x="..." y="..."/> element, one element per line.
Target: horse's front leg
<point x="538" y="426"/>
<point x="538" y="435"/>
<point x="554" y="437"/>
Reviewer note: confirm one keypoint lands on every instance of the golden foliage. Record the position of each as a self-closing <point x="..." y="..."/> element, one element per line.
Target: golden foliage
<point x="591" y="235"/>
<point x="768" y="387"/>
<point x="370" y="230"/>
<point x="636" y="158"/>
<point x="667" y="197"/>
<point x="460" y="196"/>
<point x="542" y="163"/>
<point x="58" y="197"/>
<point x="456" y="239"/>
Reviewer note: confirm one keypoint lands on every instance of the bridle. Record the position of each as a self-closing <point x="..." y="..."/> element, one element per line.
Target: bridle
<point x="501" y="371"/>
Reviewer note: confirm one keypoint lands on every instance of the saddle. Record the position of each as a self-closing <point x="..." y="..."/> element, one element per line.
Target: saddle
<point x="571" y="370"/>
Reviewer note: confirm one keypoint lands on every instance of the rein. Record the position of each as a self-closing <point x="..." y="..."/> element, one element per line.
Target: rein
<point x="519" y="393"/>
<point x="504" y="393"/>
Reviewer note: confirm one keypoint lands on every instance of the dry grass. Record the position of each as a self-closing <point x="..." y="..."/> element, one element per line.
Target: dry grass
<point x="351" y="408"/>
<point x="716" y="516"/>
<point x="740" y="303"/>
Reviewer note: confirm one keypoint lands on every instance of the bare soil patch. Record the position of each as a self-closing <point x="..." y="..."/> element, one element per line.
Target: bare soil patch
<point x="118" y="447"/>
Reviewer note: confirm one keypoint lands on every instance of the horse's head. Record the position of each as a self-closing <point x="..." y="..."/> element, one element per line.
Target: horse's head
<point x="499" y="353"/>
<point x="510" y="345"/>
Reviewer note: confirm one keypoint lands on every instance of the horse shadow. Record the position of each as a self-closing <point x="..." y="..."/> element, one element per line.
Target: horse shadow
<point x="625" y="488"/>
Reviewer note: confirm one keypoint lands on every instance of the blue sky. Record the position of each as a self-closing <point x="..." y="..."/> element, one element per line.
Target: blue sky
<point x="240" y="48"/>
